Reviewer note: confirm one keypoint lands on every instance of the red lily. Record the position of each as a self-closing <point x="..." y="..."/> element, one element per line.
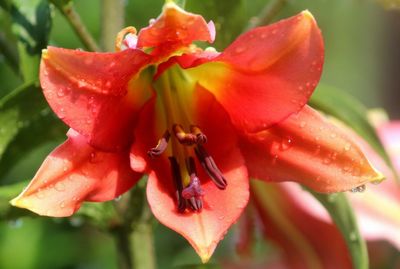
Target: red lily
<point x="302" y="229"/>
<point x="161" y="88"/>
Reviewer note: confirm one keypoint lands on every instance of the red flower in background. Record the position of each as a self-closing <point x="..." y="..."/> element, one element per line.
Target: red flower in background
<point x="304" y="232"/>
<point x="198" y="122"/>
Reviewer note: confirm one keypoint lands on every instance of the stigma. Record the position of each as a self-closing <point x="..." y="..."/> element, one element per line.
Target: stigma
<point x="189" y="193"/>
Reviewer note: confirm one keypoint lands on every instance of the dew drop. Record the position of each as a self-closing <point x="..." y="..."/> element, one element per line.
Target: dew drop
<point x="286" y="144"/>
<point x="353" y="236"/>
<point x="333" y="135"/>
<point x="303" y="124"/>
<point x="62" y="204"/>
<point x="240" y="49"/>
<point x="76" y="221"/>
<point x="221" y="217"/>
<point x="300" y="88"/>
<point x="274" y="31"/>
<point x="15" y="223"/>
<point x="60" y="186"/>
<point x="263" y="36"/>
<point x="347" y="147"/>
<point x="117" y="199"/>
<point x="39" y="194"/>
<point x="108" y="84"/>
<point x="65" y="169"/>
<point x="327" y="160"/>
<point x="359" y="189"/>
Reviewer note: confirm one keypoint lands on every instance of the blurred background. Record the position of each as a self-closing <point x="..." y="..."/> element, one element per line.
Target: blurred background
<point x="362" y="39"/>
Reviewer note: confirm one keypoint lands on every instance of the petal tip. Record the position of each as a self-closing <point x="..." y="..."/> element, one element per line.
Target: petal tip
<point x="307" y="14"/>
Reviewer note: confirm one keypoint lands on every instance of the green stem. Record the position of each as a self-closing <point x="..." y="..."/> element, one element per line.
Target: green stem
<point x="112" y="22"/>
<point x="267" y="13"/>
<point x="68" y="10"/>
<point x="122" y="241"/>
<point x="142" y="246"/>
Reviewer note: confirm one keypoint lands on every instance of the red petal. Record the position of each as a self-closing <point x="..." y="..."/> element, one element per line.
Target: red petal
<point x="221" y="207"/>
<point x="75" y="172"/>
<point x="84" y="89"/>
<point x="307" y="242"/>
<point x="173" y="29"/>
<point x="308" y="149"/>
<point x="268" y="73"/>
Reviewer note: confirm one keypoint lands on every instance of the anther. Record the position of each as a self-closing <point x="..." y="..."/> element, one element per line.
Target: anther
<point x="176" y="176"/>
<point x="211" y="168"/>
<point x="201" y="138"/>
<point x="193" y="190"/>
<point x="183" y="137"/>
<point x="161" y="146"/>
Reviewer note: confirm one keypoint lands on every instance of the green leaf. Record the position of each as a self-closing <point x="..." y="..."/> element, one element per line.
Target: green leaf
<point x="342" y="215"/>
<point x="31" y="25"/>
<point x="17" y="109"/>
<point x="349" y="110"/>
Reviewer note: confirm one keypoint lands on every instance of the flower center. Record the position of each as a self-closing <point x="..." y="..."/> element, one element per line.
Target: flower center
<point x="186" y="144"/>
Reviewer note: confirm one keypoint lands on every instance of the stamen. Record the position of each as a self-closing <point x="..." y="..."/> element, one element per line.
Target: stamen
<point x="176" y="176"/>
<point x="201" y="138"/>
<point x="211" y="168"/>
<point x="193" y="190"/>
<point x="183" y="137"/>
<point x="161" y="146"/>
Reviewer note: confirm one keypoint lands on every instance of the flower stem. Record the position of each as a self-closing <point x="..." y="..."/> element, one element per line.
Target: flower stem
<point x="121" y="237"/>
<point x="68" y="10"/>
<point x="112" y="22"/>
<point x="142" y="246"/>
<point x="267" y="13"/>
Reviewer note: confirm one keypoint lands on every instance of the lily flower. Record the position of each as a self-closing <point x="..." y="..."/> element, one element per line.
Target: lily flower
<point x="198" y="122"/>
<point x="302" y="229"/>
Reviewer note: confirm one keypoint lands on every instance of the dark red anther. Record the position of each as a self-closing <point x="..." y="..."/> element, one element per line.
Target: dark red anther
<point x="183" y="137"/>
<point x="211" y="168"/>
<point x="176" y="176"/>
<point x="201" y="138"/>
<point x="161" y="146"/>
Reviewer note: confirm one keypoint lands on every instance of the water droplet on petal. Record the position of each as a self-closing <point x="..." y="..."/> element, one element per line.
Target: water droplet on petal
<point x="62" y="204"/>
<point x="60" y="186"/>
<point x="347" y="147"/>
<point x="303" y="124"/>
<point x="240" y="49"/>
<point x="221" y="217"/>
<point x="358" y="189"/>
<point x="117" y="199"/>
<point x="286" y="144"/>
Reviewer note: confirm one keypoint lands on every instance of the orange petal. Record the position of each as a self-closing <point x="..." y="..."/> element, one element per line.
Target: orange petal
<point x="75" y="172"/>
<point x="221" y="208"/>
<point x="267" y="73"/>
<point x="84" y="89"/>
<point x="308" y="149"/>
<point x="173" y="29"/>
